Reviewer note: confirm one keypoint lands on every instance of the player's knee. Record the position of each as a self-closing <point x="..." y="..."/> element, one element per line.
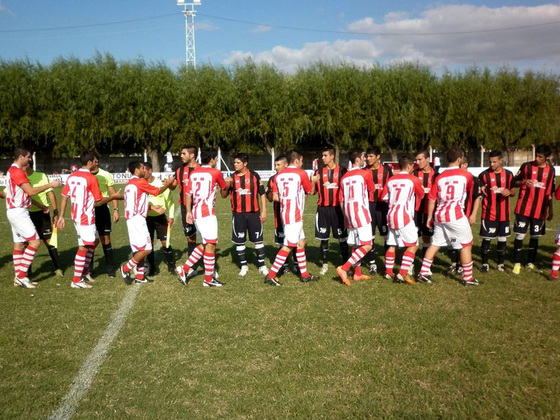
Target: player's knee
<point x="519" y="236"/>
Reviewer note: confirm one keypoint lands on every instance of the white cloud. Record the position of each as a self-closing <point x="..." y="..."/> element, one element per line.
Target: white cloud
<point x="4" y="9"/>
<point x="262" y="28"/>
<point x="443" y="36"/>
<point x="203" y="26"/>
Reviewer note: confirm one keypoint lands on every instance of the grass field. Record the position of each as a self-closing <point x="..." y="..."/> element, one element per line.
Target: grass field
<point x="321" y="350"/>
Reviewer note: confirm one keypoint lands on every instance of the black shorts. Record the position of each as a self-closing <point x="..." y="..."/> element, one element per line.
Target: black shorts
<point x="538" y="226"/>
<point x="157" y="225"/>
<point x="188" y="229"/>
<point x="328" y="218"/>
<point x="42" y="222"/>
<point x="103" y="220"/>
<point x="420" y="219"/>
<point x="241" y="223"/>
<point x="378" y="211"/>
<point x="490" y="229"/>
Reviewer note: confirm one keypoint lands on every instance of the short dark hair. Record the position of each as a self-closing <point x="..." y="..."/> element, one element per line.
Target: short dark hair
<point x="294" y="155"/>
<point x="243" y="157"/>
<point x="330" y="150"/>
<point x="87" y="156"/>
<point x="495" y="153"/>
<point x="147" y="165"/>
<point x="20" y="151"/>
<point x="354" y="154"/>
<point x="190" y="148"/>
<point x="207" y="155"/>
<point x="405" y="161"/>
<point x="423" y="152"/>
<point x="543" y="149"/>
<point x="454" y="153"/>
<point x="373" y="150"/>
<point x="135" y="164"/>
<point x="281" y="157"/>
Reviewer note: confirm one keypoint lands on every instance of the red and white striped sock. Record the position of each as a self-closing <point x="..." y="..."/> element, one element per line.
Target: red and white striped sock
<point x="278" y="263"/>
<point x="555" y="264"/>
<point x="196" y="255"/>
<point x="390" y="258"/>
<point x="130" y="265"/>
<point x="426" y="265"/>
<point x="302" y="262"/>
<point x="79" y="265"/>
<point x="89" y="259"/>
<point x="407" y="261"/>
<point x="209" y="263"/>
<point x="18" y="258"/>
<point x="27" y="259"/>
<point x="140" y="271"/>
<point x="357" y="254"/>
<point x="468" y="271"/>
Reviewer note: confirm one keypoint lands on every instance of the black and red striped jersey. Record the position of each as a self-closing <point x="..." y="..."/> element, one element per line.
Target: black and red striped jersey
<point x="380" y="177"/>
<point x="328" y="185"/>
<point x="245" y="192"/>
<point x="427" y="179"/>
<point x="275" y="204"/>
<point x="495" y="206"/>
<point x="183" y="175"/>
<point x="534" y="201"/>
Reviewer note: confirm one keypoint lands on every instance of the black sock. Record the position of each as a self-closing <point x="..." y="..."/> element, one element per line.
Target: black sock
<point x="517" y="247"/>
<point x="325" y="251"/>
<point x="485" y="250"/>
<point x="344" y="251"/>
<point x="108" y="252"/>
<point x="533" y="246"/>
<point x="501" y="248"/>
<point x="53" y="252"/>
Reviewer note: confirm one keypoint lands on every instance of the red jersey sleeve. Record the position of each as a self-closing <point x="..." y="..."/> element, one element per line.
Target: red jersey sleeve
<point x="434" y="191"/>
<point x="557" y="194"/>
<point x="369" y="180"/>
<point x="305" y="182"/>
<point x="95" y="191"/>
<point x="418" y="189"/>
<point x="65" y="190"/>
<point x="220" y="179"/>
<point x="384" y="196"/>
<point x="18" y="177"/>
<point x="147" y="188"/>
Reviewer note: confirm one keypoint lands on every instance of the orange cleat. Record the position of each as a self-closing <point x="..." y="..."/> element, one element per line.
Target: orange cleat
<point x="343" y="276"/>
<point x="360" y="277"/>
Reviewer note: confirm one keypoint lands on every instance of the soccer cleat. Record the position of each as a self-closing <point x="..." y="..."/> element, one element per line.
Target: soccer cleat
<point x="111" y="272"/>
<point x="81" y="285"/>
<point x="263" y="270"/>
<point x="215" y="275"/>
<point x="501" y="268"/>
<point x="212" y="283"/>
<point x="308" y="279"/>
<point x="405" y="279"/>
<point x="183" y="279"/>
<point x="142" y="280"/>
<point x="244" y="271"/>
<point x="125" y="275"/>
<point x="24" y="282"/>
<point x="389" y="277"/>
<point x="343" y="275"/>
<point x="424" y="278"/>
<point x="271" y="282"/>
<point x="531" y="266"/>
<point x="485" y="268"/>
<point x="553" y="275"/>
<point x="373" y="269"/>
<point x="324" y="269"/>
<point x="411" y="271"/>
<point x="191" y="273"/>
<point x="473" y="282"/>
<point x="295" y="270"/>
<point x="516" y="268"/>
<point x="460" y="269"/>
<point x="58" y="273"/>
<point x="87" y="278"/>
<point x="171" y="268"/>
<point x="360" y="277"/>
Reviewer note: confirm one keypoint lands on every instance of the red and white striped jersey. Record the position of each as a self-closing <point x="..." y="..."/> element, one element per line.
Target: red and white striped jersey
<point x="291" y="185"/>
<point x="450" y="190"/>
<point x="402" y="191"/>
<point x="355" y="187"/>
<point x="136" y="197"/>
<point x="202" y="189"/>
<point x="16" y="198"/>
<point x="83" y="189"/>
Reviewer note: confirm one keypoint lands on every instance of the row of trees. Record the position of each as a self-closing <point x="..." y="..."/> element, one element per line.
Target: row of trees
<point x="133" y="106"/>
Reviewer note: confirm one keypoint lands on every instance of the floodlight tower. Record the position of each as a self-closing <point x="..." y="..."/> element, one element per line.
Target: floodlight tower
<point x="189" y="12"/>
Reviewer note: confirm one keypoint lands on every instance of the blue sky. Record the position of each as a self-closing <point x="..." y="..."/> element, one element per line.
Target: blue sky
<point x="443" y="35"/>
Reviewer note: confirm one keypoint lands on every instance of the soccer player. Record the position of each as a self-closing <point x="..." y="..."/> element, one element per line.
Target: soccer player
<point x="103" y="214"/>
<point x="427" y="176"/>
<point x="496" y="188"/>
<point x="290" y="187"/>
<point x="158" y="222"/>
<point x="248" y="206"/>
<point x="326" y="182"/>
<point x="136" y="207"/>
<point x="18" y="199"/>
<point x="536" y="184"/>
<point x="40" y="215"/>
<point x="83" y="188"/>
<point x="355" y="188"/>
<point x="451" y="226"/>
<point x="200" y="199"/>
<point x="378" y="208"/>
<point x="182" y="175"/>
<point x="556" y="256"/>
<point x="402" y="191"/>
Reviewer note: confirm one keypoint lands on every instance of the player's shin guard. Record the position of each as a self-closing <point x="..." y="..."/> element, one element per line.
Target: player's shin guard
<point x="89" y="259"/>
<point x="151" y="262"/>
<point x="517" y="247"/>
<point x="194" y="256"/>
<point x="325" y="251"/>
<point x="453" y="256"/>
<point x="426" y="265"/>
<point x="140" y="270"/>
<point x="407" y="261"/>
<point x="485" y="250"/>
<point x="53" y="253"/>
<point x="169" y="258"/>
<point x="259" y="249"/>
<point x="501" y="249"/>
<point x="555" y="265"/>
<point x="532" y="254"/>
<point x="302" y="262"/>
<point x="240" y="249"/>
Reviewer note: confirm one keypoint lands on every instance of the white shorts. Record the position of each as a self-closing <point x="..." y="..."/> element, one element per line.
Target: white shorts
<point x="138" y="234"/>
<point x="557" y="238"/>
<point x="293" y="233"/>
<point x="360" y="236"/>
<point x="87" y="234"/>
<point x="457" y="234"/>
<point x="207" y="227"/>
<point x="403" y="237"/>
<point x="23" y="229"/>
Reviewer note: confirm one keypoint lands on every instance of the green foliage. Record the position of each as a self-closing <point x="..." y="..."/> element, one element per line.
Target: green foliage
<point x="134" y="106"/>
